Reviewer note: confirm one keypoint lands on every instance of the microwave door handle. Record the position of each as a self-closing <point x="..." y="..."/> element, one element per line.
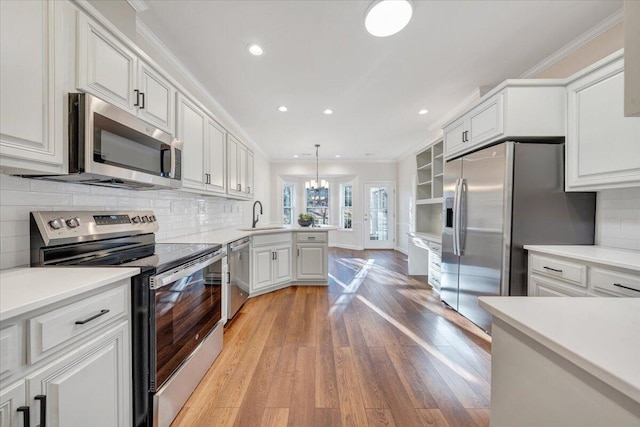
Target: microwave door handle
<point x="163" y="151"/>
<point x="174" y="159"/>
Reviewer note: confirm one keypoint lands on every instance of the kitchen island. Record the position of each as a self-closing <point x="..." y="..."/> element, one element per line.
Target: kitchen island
<point x="564" y="362"/>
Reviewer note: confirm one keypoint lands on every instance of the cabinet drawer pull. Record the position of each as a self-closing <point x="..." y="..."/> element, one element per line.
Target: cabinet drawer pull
<point x="43" y="409"/>
<point x="82" y="322"/>
<point x="311" y="238"/>
<point x="625" y="287"/>
<point x="552" y="269"/>
<point x="26" y="419"/>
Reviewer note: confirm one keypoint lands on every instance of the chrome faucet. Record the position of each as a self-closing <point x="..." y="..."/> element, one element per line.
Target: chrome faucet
<point x="255" y="217"/>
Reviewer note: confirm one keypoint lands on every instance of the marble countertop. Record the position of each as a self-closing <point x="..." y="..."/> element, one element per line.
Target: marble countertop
<point x="622" y="258"/>
<point x="599" y="335"/>
<point x="26" y="289"/>
<point x="228" y="235"/>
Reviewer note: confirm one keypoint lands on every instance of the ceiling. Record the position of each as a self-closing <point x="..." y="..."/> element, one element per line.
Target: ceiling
<point x="318" y="55"/>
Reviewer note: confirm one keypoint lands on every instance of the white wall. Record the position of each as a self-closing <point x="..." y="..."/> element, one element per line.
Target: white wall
<point x="337" y="172"/>
<point x="261" y="177"/>
<point x="405" y="190"/>
<point x="179" y="213"/>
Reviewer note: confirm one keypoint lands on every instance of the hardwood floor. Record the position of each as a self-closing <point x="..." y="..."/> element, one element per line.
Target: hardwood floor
<point x="374" y="348"/>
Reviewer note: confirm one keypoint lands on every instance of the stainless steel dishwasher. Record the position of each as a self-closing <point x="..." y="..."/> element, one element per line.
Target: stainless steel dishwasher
<point x="238" y="287"/>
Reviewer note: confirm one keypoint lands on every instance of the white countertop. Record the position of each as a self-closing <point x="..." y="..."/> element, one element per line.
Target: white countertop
<point x="228" y="235"/>
<point x="622" y="258"/>
<point x="26" y="289"/>
<point x="437" y="238"/>
<point x="599" y="335"/>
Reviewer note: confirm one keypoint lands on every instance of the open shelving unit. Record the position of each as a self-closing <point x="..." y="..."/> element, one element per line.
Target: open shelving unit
<point x="429" y="180"/>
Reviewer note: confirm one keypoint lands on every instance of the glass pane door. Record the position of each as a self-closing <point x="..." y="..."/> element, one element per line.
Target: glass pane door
<point x="379" y="218"/>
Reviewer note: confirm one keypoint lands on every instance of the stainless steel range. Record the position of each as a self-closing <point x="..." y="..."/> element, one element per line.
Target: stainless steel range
<point x="176" y="300"/>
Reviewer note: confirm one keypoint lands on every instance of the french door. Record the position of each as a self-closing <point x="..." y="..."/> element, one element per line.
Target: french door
<point x="379" y="220"/>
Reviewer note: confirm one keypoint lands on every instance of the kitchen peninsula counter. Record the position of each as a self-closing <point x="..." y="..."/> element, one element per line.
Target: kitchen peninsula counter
<point x="564" y="361"/>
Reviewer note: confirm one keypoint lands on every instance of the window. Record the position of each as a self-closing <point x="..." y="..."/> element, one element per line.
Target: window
<point x="318" y="204"/>
<point x="288" y="190"/>
<point x="346" y="206"/>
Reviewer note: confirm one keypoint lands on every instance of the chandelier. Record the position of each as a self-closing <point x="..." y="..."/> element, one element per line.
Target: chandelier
<point x="317" y="185"/>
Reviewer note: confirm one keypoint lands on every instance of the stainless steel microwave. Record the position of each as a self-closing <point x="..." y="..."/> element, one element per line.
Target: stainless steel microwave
<point x="113" y="148"/>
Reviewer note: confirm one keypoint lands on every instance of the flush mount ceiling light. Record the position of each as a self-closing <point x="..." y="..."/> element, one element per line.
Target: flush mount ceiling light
<point x="328" y="111"/>
<point x="283" y="109"/>
<point x="254" y="49"/>
<point x="387" y="17"/>
<point x="423" y="112"/>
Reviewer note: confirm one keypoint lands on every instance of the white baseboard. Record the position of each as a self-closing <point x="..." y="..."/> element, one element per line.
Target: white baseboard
<point x="404" y="251"/>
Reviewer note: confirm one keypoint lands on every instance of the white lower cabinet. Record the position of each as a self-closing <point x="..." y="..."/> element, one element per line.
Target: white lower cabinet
<point x="603" y="146"/>
<point x="85" y="377"/>
<point x="311" y="261"/>
<point x="86" y="387"/>
<point x="12" y="405"/>
<point x="271" y="261"/>
<point x="551" y="275"/>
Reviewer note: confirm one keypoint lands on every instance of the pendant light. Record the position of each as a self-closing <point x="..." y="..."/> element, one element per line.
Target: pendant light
<point x="316" y="184"/>
<point x="387" y="17"/>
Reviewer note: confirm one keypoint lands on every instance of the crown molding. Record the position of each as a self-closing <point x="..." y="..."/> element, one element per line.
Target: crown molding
<point x="138" y="5"/>
<point x="604" y="26"/>
<point x="150" y="37"/>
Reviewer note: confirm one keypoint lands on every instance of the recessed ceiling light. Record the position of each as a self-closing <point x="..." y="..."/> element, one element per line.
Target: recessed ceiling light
<point x="328" y="111"/>
<point x="422" y="112"/>
<point x="254" y="49"/>
<point x="296" y="156"/>
<point x="387" y="17"/>
<point x="283" y="109"/>
<point x="337" y="155"/>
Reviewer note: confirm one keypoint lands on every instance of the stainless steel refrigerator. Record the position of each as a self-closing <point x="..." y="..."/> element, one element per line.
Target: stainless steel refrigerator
<point x="496" y="200"/>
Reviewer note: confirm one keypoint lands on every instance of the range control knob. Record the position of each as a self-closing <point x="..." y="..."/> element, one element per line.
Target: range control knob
<point x="152" y="218"/>
<point x="73" y="222"/>
<point x="145" y="219"/>
<point x="135" y="219"/>
<point x="56" y="223"/>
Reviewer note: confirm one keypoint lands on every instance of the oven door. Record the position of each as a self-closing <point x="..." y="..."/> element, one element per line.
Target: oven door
<point x="186" y="305"/>
<point x="119" y="145"/>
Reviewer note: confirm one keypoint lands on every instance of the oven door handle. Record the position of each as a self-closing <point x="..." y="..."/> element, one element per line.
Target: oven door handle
<point x="165" y="279"/>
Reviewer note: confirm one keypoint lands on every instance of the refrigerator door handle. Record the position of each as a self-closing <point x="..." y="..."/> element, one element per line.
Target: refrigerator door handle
<point x="456" y="218"/>
<point x="462" y="219"/>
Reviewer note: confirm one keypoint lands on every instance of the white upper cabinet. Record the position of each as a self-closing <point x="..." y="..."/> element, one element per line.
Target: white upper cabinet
<point x="109" y="69"/>
<point x="514" y="109"/>
<point x="216" y="155"/>
<point x="603" y="146"/>
<point x="240" y="163"/>
<point x="106" y="67"/>
<point x="156" y="98"/>
<point x="32" y="69"/>
<point x="191" y="130"/>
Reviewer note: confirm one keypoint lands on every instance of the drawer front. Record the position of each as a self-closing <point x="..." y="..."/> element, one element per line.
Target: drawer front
<point x="560" y="269"/>
<point x="9" y="350"/>
<point x="435" y="248"/>
<point x="615" y="282"/>
<point x="52" y="329"/>
<point x="434" y="263"/>
<point x="311" y="237"/>
<point x="270" y="239"/>
<point x="541" y="287"/>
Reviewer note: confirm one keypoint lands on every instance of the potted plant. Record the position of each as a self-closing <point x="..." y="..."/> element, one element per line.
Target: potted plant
<point x="305" y="220"/>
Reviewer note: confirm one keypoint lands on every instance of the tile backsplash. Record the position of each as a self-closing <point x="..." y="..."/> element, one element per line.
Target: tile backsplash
<point x="618" y="218"/>
<point x="178" y="213"/>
